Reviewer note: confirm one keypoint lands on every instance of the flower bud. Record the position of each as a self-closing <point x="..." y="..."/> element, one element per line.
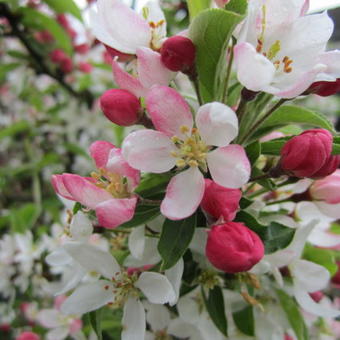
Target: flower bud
<point x="327" y="189"/>
<point x="336" y="277"/>
<point x="221" y="3"/>
<point x="220" y="201"/>
<point x="317" y="296"/>
<point x="306" y="154"/>
<point x="120" y="106"/>
<point x="57" y="56"/>
<point x="28" y="336"/>
<point x="233" y="248"/>
<point x="66" y="65"/>
<point x="288" y="337"/>
<point x="330" y="166"/>
<point x="84" y="67"/>
<point x="178" y="54"/>
<point x="82" y="48"/>
<point x="325" y="88"/>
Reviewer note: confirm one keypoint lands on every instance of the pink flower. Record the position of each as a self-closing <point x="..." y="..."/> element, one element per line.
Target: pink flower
<point x="108" y="192"/>
<point x="219" y="201"/>
<point x="233" y="248"/>
<point x="177" y="143"/>
<point x="309" y="154"/>
<point x="120" y="107"/>
<point x="178" y="54"/>
<point x="28" y="336"/>
<point x="85" y="67"/>
<point x="327" y="189"/>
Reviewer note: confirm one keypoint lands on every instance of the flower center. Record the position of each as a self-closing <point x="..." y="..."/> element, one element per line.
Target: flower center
<point x="162" y="335"/>
<point x="192" y="151"/>
<point x="114" y="183"/>
<point x="123" y="288"/>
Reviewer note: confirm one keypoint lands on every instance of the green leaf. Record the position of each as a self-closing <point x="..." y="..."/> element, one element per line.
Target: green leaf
<point x="65" y="6"/>
<point x="215" y="307"/>
<point x="152" y="184"/>
<point x="210" y="31"/>
<point x="76" y="149"/>
<point x="197" y="6"/>
<point x="14" y="129"/>
<point x="95" y="321"/>
<point x="244" y="320"/>
<point x="275" y="236"/>
<point x="293" y="315"/>
<point x="336" y="146"/>
<point x="6" y="68"/>
<point x="266" y="183"/>
<point x="273" y="147"/>
<point x="76" y="208"/>
<point x="290" y="114"/>
<point x="24" y="218"/>
<point x="40" y="21"/>
<point x="335" y="228"/>
<point x="321" y="256"/>
<point x="253" y="151"/>
<point x="175" y="239"/>
<point x="143" y="214"/>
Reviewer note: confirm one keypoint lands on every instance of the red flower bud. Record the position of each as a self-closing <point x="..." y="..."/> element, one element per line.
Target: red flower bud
<point x="66" y="65"/>
<point x="120" y="106"/>
<point x="330" y="166"/>
<point x="220" y="201"/>
<point x="317" y="296"/>
<point x="288" y="337"/>
<point x="28" y="336"/>
<point x="307" y="154"/>
<point x="325" y="88"/>
<point x="82" y="48"/>
<point x="44" y="36"/>
<point x="336" y="277"/>
<point x="84" y="67"/>
<point x="57" y="56"/>
<point x="233" y="248"/>
<point x="178" y="54"/>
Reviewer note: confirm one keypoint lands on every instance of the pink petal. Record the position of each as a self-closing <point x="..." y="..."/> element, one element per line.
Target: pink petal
<point x="59" y="187"/>
<point x="229" y="166"/>
<point x="85" y="192"/>
<point x="332" y="60"/>
<point x="115" y="212"/>
<point x="151" y="70"/>
<point x="254" y="71"/>
<point x="100" y="151"/>
<point x="118" y="26"/>
<point x="127" y="82"/>
<point x="183" y="194"/>
<point x="217" y="124"/>
<point x="149" y="150"/>
<point x="117" y="164"/>
<point x="168" y="111"/>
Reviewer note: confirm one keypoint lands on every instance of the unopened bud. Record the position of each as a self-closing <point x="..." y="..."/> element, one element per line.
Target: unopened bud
<point x="121" y="107"/>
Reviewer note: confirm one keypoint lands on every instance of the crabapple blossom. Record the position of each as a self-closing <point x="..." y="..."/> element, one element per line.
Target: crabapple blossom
<point x="275" y="52"/>
<point x="116" y="25"/>
<point x="233" y="248"/>
<point x="219" y="201"/>
<point x="108" y="192"/>
<point x="177" y="143"/>
<point x="327" y="189"/>
<point x="120" y="107"/>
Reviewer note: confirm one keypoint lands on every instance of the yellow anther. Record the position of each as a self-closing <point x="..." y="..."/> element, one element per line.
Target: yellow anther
<point x="184" y="129"/>
<point x="180" y="163"/>
<point x="194" y="130"/>
<point x="202" y="155"/>
<point x="287" y="64"/>
<point x="174" y="154"/>
<point x="175" y="139"/>
<point x="95" y="176"/>
<point x="193" y="163"/>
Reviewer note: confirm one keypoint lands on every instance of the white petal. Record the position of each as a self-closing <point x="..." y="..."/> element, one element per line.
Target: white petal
<point x="309" y="305"/>
<point x="309" y="275"/>
<point x="217" y="124"/>
<point x="93" y="259"/>
<point x="229" y="166"/>
<point x="181" y="329"/>
<point x="158" y="317"/>
<point x="183" y="195"/>
<point x="58" y="257"/>
<point x="71" y="277"/>
<point x="81" y="227"/>
<point x="136" y="242"/>
<point x="59" y="333"/>
<point x="48" y="318"/>
<point x="88" y="297"/>
<point x="156" y="287"/>
<point x="330" y="210"/>
<point x="149" y="150"/>
<point x="174" y="275"/>
<point x="133" y="320"/>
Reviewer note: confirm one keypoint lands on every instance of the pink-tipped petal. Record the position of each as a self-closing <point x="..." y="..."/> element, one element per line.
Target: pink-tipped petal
<point x="217" y="124"/>
<point x="168" y="111"/>
<point x="85" y="192"/>
<point x="118" y="26"/>
<point x="183" y="194"/>
<point x="127" y="82"/>
<point x="254" y="71"/>
<point x="115" y="212"/>
<point x="149" y="151"/>
<point x="59" y="187"/>
<point x="151" y="71"/>
<point x="117" y="164"/>
<point x="229" y="166"/>
<point x="100" y="151"/>
<point x="332" y="60"/>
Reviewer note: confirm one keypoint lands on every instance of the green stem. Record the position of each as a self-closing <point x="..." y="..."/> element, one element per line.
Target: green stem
<point x="196" y="86"/>
<point x="227" y="78"/>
